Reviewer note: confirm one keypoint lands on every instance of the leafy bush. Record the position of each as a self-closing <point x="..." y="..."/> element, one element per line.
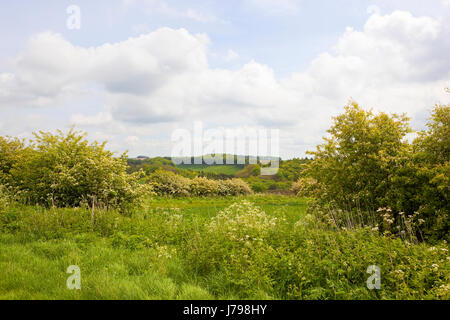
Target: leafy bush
<point x="243" y="252"/>
<point x="12" y="152"/>
<point x="431" y="163"/>
<point x="233" y="187"/>
<point x="260" y="256"/>
<point x="353" y="166"/>
<point x="367" y="164"/>
<point x="233" y="242"/>
<point x="203" y="187"/>
<point x="263" y="184"/>
<point x="305" y="187"/>
<point x="166" y="183"/>
<point x="4" y="198"/>
<point x="66" y="170"/>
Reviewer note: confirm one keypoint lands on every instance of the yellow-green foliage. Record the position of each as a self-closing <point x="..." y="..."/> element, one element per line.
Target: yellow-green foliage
<point x="12" y="152"/>
<point x="66" y="170"/>
<point x="353" y="165"/>
<point x="236" y="241"/>
<point x="262" y="256"/>
<point x="166" y="183"/>
<point x="305" y="187"/>
<point x="203" y="187"/>
<point x="263" y="247"/>
<point x="4" y="198"/>
<point x="431" y="167"/>
<point x="233" y="187"/>
<point x="366" y="163"/>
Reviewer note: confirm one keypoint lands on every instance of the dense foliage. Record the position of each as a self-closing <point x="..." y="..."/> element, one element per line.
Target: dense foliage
<point x="260" y="247"/>
<point x="289" y="171"/>
<point x="66" y="170"/>
<point x="167" y="183"/>
<point x="367" y="165"/>
<point x="373" y="194"/>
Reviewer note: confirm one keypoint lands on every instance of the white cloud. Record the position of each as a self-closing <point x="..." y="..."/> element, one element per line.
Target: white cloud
<point x="97" y="120"/>
<point x="161" y="81"/>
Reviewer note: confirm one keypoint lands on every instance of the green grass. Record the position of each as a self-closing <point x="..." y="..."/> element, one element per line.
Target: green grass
<point x="230" y="170"/>
<point x="292" y="207"/>
<point x="259" y="247"/>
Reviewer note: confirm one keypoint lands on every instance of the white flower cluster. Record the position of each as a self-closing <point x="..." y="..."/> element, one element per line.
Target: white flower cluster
<point x="242" y="221"/>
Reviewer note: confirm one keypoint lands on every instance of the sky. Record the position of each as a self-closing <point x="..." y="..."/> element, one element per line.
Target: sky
<point x="136" y="71"/>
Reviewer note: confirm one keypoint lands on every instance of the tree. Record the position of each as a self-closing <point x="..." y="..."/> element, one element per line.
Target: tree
<point x="432" y="164"/>
<point x="367" y="164"/>
<point x="12" y="152"/>
<point x="67" y="170"/>
<point x="354" y="165"/>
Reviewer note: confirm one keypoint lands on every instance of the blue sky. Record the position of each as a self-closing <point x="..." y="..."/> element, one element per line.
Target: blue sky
<point x="285" y="39"/>
<point x="308" y="57"/>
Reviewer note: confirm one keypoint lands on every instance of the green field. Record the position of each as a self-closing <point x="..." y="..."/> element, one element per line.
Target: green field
<point x="184" y="249"/>
<point x="230" y="170"/>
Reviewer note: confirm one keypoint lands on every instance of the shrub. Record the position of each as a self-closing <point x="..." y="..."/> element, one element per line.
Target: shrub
<point x="257" y="256"/>
<point x="353" y="166"/>
<point x="65" y="170"/>
<point x="233" y="242"/>
<point x="367" y="164"/>
<point x="4" y="198"/>
<point x="203" y="187"/>
<point x="431" y="163"/>
<point x="12" y="152"/>
<point x="305" y="187"/>
<point x="233" y="187"/>
<point x="166" y="183"/>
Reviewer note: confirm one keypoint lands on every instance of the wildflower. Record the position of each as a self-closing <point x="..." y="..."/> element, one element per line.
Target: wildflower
<point x="399" y="274"/>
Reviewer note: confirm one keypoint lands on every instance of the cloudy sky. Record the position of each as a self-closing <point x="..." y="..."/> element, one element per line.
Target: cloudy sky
<point x="137" y="70"/>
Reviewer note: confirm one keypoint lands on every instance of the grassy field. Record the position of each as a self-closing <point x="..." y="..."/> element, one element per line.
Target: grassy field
<point x="230" y="170"/>
<point x="258" y="247"/>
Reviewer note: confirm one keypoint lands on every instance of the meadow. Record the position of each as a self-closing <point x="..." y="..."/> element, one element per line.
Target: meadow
<point x="229" y="170"/>
<point x="253" y="247"/>
<point x="366" y="218"/>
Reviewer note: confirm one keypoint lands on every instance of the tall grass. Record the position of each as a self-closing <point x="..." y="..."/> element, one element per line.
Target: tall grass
<point x="258" y="247"/>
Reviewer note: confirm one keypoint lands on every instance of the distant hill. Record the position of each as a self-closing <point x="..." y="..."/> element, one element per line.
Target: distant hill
<point x="288" y="172"/>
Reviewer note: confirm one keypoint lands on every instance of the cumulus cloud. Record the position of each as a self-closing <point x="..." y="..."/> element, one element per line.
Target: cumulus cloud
<point x="50" y="66"/>
<point x="397" y="62"/>
<point x="161" y="81"/>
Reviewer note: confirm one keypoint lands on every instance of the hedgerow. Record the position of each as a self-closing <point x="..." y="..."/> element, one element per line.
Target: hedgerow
<point x="66" y="170"/>
<point x="167" y="183"/>
<point x="367" y="164"/>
